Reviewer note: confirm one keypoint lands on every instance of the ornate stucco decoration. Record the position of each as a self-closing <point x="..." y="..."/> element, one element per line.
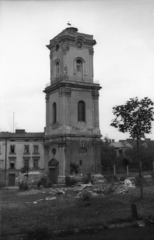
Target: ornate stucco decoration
<point x="51" y="54"/>
<point x="65" y="48"/>
<point x="65" y="70"/>
<point x="95" y="94"/>
<point x="47" y="97"/>
<point x="65" y="92"/>
<point x="55" y="125"/>
<point x="91" y="51"/>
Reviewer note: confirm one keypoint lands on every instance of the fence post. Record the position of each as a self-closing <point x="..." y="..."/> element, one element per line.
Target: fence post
<point x="134" y="211"/>
<point x="114" y="169"/>
<point x="127" y="170"/>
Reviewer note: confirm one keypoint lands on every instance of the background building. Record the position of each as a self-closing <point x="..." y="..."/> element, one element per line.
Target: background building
<point x="20" y="150"/>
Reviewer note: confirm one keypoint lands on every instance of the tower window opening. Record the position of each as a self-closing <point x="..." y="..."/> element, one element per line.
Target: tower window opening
<point x="80" y="162"/>
<point x="57" y="68"/>
<point x="81" y="111"/>
<point x="57" y="47"/>
<point x="54" y="112"/>
<point x="78" y="65"/>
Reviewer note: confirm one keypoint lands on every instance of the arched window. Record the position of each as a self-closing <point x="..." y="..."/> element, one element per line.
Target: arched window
<point x="78" y="65"/>
<point x="79" y="68"/>
<point x="81" y="111"/>
<point x="54" y="113"/>
<point x="57" y="68"/>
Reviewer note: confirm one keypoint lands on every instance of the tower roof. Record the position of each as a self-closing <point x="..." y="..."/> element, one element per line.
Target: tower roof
<point x="71" y="34"/>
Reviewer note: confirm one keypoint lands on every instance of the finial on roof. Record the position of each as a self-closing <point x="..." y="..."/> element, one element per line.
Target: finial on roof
<point x="69" y="24"/>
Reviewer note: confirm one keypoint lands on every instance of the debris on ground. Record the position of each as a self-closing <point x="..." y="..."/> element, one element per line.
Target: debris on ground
<point x="98" y="178"/>
<point x="47" y="190"/>
<point x="105" y="188"/>
<point x="149" y="220"/>
<point x="50" y="198"/>
<point x="128" y="183"/>
<point x="100" y="187"/>
<point x="81" y="186"/>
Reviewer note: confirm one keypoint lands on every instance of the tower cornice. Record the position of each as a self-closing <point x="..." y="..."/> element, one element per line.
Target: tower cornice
<point x="71" y="35"/>
<point x="72" y="85"/>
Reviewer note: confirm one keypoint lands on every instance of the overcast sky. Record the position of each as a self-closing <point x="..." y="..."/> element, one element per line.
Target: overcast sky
<point x="123" y="58"/>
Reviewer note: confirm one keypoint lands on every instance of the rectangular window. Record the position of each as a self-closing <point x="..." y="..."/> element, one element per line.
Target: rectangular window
<point x="12" y="165"/>
<point x="26" y="163"/>
<point x="12" y="161"/>
<point x="26" y="149"/>
<point x="36" y="165"/>
<point x="12" y="148"/>
<point x="36" y="149"/>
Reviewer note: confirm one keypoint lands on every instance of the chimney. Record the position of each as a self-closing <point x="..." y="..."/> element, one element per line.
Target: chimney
<point x="19" y="131"/>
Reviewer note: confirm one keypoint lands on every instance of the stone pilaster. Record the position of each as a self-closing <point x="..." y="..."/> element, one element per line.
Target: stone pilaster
<point x="65" y="94"/>
<point x="95" y="97"/>
<point x="47" y="113"/>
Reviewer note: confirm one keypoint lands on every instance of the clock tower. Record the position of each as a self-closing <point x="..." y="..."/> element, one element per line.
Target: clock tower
<point x="72" y="133"/>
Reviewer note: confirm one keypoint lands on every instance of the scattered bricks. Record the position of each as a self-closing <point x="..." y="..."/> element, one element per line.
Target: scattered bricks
<point x="141" y="223"/>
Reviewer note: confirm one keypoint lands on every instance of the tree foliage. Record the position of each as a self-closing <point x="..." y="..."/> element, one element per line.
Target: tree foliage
<point x="134" y="117"/>
<point x="108" y="155"/>
<point x="146" y="156"/>
<point x="74" y="168"/>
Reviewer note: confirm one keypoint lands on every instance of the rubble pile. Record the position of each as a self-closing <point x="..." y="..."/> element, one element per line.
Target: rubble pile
<point x="104" y="188"/>
<point x="100" y="187"/>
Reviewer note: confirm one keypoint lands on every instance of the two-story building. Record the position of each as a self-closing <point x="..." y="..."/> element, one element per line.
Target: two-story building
<point x="20" y="150"/>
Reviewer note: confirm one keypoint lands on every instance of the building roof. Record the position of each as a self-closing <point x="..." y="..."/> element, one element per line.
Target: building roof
<point x="117" y="145"/>
<point x="21" y="135"/>
<point x="126" y="144"/>
<point x="132" y="143"/>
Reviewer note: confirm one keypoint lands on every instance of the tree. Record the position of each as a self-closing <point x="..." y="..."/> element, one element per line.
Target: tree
<point x="146" y="155"/>
<point x="74" y="168"/>
<point x="25" y="169"/>
<point x="108" y="155"/>
<point x="136" y="118"/>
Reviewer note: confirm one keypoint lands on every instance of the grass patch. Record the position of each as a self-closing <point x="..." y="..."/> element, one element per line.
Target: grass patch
<point x="66" y="212"/>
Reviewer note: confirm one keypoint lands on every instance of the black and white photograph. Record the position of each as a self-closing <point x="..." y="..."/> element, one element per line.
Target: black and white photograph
<point x="76" y="119"/>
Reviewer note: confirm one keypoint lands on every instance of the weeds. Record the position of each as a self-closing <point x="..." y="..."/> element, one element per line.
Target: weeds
<point x="69" y="212"/>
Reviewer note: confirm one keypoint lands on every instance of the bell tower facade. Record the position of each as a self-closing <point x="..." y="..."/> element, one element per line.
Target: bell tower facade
<point x="72" y="133"/>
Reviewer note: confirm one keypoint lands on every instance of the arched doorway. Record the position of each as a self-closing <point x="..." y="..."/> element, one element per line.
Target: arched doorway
<point x="53" y="170"/>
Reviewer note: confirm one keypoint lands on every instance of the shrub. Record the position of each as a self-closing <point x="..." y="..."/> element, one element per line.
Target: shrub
<point x="74" y="168"/>
<point x="69" y="181"/>
<point x="44" y="181"/>
<point x="85" y="180"/>
<point x="23" y="186"/>
<point x="86" y="197"/>
<point x="122" y="178"/>
<point x="111" y="178"/>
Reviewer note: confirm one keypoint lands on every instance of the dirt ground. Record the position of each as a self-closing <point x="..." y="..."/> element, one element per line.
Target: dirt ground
<point x="144" y="233"/>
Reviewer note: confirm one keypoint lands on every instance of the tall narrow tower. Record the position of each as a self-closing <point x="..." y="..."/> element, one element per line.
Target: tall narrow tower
<point x="72" y="132"/>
